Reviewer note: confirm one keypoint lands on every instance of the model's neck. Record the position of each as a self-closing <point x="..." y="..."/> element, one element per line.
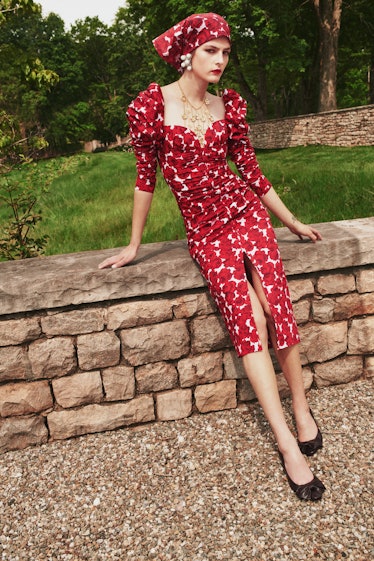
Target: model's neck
<point x="193" y="88"/>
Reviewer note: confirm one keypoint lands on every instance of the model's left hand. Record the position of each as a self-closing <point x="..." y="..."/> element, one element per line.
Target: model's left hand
<point x="303" y="230"/>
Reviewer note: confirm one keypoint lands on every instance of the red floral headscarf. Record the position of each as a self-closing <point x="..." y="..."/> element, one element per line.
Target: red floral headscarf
<point x="188" y="34"/>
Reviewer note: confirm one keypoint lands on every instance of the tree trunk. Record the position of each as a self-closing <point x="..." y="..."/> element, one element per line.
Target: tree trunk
<point x="329" y="17"/>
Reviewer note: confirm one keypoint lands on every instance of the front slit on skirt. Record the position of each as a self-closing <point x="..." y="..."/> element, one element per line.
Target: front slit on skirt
<point x="221" y="260"/>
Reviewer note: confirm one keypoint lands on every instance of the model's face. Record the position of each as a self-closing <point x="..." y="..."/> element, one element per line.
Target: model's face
<point x="210" y="59"/>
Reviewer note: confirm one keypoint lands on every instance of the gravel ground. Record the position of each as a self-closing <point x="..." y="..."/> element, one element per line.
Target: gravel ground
<point x="205" y="488"/>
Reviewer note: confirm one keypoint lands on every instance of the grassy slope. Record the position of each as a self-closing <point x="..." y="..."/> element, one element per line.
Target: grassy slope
<point x="90" y="205"/>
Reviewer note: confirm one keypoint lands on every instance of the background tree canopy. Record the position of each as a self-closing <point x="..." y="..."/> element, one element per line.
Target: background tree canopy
<point x="289" y="57"/>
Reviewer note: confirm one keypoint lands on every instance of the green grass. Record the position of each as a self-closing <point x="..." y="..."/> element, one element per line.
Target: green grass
<point x="91" y="208"/>
<point x="90" y="205"/>
<point x="323" y="183"/>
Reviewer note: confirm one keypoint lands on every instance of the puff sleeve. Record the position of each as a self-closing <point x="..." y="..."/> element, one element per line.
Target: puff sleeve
<point x="145" y="115"/>
<point x="240" y="149"/>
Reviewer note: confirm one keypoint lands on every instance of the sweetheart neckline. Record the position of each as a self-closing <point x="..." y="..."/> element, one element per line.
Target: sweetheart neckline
<point x="211" y="126"/>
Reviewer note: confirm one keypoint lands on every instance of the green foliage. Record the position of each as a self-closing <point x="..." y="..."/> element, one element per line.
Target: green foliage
<point x="16" y="239"/>
<point x="20" y="196"/>
<point x="356" y="55"/>
<point x="23" y="190"/>
<point x="10" y="7"/>
<point x="70" y="127"/>
<point x="40" y="76"/>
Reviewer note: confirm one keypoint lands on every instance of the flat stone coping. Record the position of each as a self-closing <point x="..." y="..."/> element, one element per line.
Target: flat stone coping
<point x="72" y="279"/>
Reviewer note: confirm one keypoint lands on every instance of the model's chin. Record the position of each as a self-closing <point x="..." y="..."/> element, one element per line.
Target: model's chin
<point x="215" y="78"/>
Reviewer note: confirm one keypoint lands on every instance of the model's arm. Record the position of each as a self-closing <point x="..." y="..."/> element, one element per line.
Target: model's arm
<point x="142" y="203"/>
<point x="272" y="201"/>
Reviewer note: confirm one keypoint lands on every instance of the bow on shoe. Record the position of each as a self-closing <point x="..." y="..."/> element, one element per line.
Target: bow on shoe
<point x="311" y="491"/>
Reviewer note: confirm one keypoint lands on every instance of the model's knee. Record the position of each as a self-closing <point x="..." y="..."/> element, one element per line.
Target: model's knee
<point x="262" y="326"/>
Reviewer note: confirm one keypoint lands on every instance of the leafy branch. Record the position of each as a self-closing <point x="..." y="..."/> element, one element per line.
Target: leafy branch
<point x="16" y="238"/>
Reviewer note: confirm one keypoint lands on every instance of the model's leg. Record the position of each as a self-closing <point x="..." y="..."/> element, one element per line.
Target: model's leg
<point x="259" y="369"/>
<point x="289" y="361"/>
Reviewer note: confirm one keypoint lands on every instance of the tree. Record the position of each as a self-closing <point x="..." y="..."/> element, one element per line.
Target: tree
<point x="9" y="7"/>
<point x="355" y="84"/>
<point x="97" y="44"/>
<point x="329" y="17"/>
<point x="270" y="55"/>
<point x="65" y="114"/>
<point x="24" y="79"/>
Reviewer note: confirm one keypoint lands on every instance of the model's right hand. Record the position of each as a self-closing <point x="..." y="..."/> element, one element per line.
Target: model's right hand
<point x="127" y="255"/>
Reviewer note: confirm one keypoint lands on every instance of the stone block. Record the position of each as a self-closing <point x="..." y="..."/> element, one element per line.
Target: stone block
<point x="323" y="342"/>
<point x="336" y="284"/>
<point x="100" y="417"/>
<point x="119" y="383"/>
<point x="300" y="288"/>
<point x="353" y="305"/>
<point x="302" y="311"/>
<point x="173" y="405"/>
<point x="73" y="323"/>
<point x="133" y="314"/>
<point x="78" y="389"/>
<point x="17" y="433"/>
<point x="25" y="398"/>
<point x="190" y="305"/>
<point x="369" y="366"/>
<point x="200" y="369"/>
<point x="155" y="377"/>
<point x="216" y="397"/>
<point x="339" y="371"/>
<point x="208" y="334"/>
<point x="233" y="368"/>
<point x="51" y="358"/>
<point x="346" y="243"/>
<point x="14" y="364"/>
<point x="18" y="331"/>
<point x="361" y="336"/>
<point x="323" y="310"/>
<point x="165" y="341"/>
<point x="74" y="279"/>
<point x="98" y="350"/>
<point x="343" y="307"/>
<point x="365" y="280"/>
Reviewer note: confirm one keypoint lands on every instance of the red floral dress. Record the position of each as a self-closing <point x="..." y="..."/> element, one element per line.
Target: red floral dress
<point x="222" y="211"/>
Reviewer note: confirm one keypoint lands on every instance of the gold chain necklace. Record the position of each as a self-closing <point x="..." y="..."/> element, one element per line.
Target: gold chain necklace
<point x="196" y="119"/>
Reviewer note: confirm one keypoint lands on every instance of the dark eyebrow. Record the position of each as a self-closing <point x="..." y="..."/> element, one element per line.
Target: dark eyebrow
<point x="211" y="46"/>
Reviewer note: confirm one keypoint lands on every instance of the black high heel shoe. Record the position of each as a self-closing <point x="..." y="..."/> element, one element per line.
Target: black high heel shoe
<point x="311" y="491"/>
<point x="310" y="447"/>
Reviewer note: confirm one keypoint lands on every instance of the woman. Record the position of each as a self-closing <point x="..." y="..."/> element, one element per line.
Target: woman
<point x="190" y="133"/>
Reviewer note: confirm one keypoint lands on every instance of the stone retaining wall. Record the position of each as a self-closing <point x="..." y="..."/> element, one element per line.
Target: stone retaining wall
<point x="345" y="127"/>
<point x="83" y="350"/>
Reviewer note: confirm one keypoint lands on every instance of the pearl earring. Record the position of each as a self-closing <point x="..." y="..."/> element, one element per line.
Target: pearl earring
<point x="186" y="61"/>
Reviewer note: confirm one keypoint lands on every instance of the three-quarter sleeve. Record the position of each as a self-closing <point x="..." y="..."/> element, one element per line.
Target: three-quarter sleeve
<point x="145" y="115"/>
<point x="240" y="149"/>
